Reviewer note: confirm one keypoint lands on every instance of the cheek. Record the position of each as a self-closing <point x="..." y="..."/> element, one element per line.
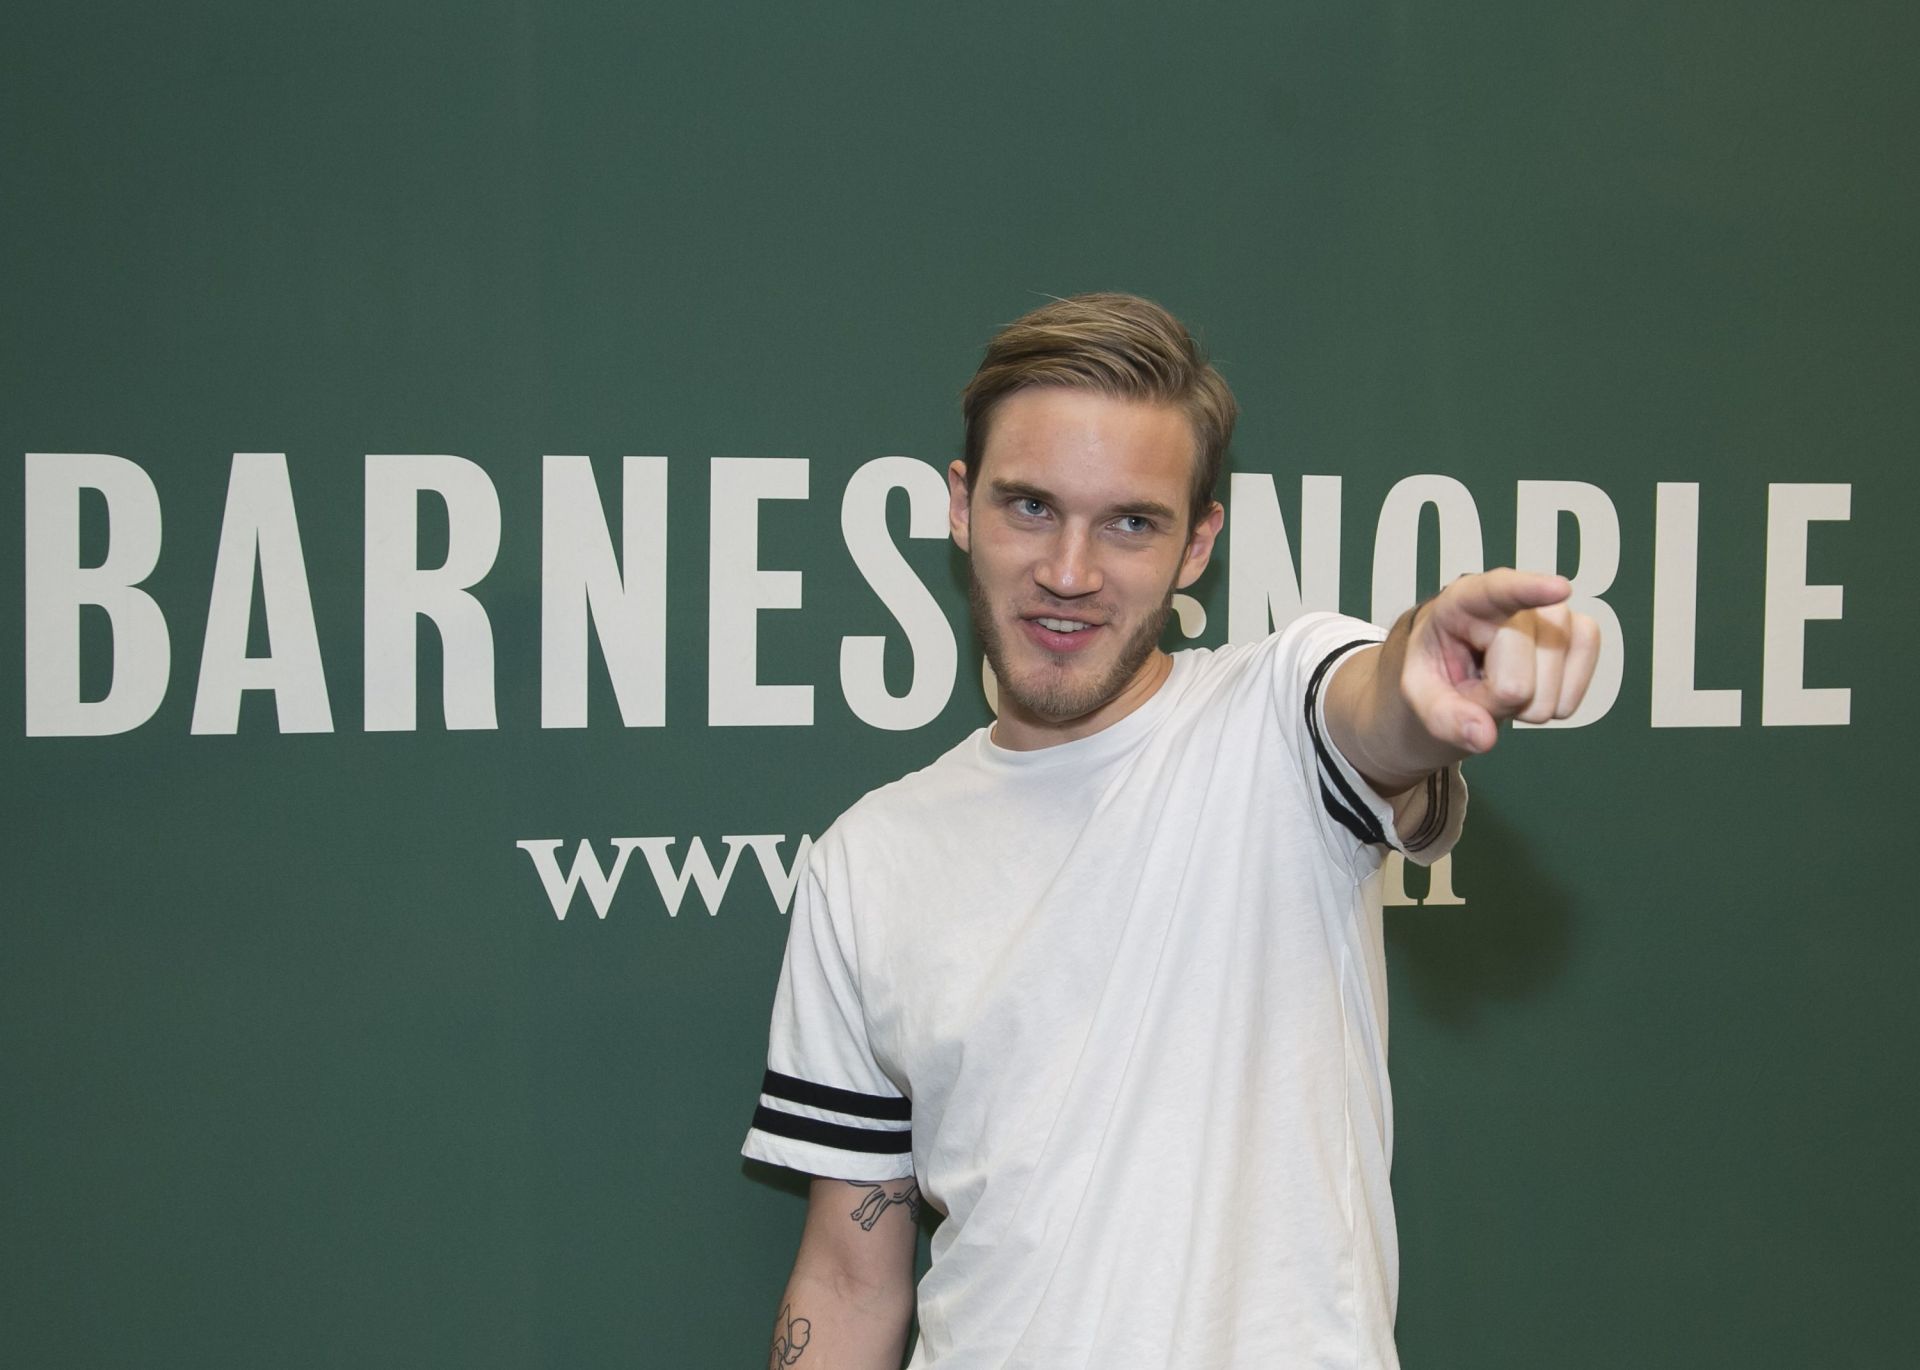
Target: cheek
<point x="997" y="557"/>
<point x="1149" y="580"/>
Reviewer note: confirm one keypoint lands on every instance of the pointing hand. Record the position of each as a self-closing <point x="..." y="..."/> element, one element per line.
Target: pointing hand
<point x="1496" y="646"/>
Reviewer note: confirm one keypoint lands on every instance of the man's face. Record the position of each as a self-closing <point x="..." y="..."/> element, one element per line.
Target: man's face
<point x="1076" y="531"/>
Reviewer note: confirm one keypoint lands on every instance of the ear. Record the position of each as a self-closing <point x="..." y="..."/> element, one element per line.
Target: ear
<point x="958" y="506"/>
<point x="1200" y="545"/>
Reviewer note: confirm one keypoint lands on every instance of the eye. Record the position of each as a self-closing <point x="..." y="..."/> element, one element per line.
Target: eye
<point x="1134" y="523"/>
<point x="1028" y="507"/>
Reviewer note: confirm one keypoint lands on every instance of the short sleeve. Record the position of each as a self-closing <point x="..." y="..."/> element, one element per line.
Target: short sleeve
<point x="1425" y="822"/>
<point x="825" y="1107"/>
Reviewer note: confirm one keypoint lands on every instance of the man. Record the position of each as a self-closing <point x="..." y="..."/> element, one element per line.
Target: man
<point x="1104" y="983"/>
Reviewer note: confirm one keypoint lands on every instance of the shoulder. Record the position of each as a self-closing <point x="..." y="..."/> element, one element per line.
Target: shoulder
<point x="1282" y="663"/>
<point x="899" y="807"/>
<point x="1310" y="639"/>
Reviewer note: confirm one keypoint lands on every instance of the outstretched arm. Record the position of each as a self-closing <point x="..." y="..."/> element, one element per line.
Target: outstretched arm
<point x="1488" y="648"/>
<point x="849" y="1300"/>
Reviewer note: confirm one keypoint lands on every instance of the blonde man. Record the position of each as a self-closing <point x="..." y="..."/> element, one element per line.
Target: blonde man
<point x="1104" y="983"/>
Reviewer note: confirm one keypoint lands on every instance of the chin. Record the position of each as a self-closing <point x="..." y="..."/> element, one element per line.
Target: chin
<point x="1047" y="705"/>
<point x="1056" y="690"/>
<point x="1055" y="694"/>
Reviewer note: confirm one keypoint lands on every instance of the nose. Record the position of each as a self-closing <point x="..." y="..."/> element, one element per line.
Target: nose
<point x="1070" y="568"/>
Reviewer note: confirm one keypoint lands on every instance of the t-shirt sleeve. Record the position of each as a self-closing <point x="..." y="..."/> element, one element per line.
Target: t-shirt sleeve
<point x="1424" y="823"/>
<point x="826" y="1108"/>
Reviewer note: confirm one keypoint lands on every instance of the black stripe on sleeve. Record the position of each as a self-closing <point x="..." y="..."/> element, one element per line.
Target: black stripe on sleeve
<point x="1439" y="796"/>
<point x="875" y="1141"/>
<point x="884" y="1107"/>
<point x="1352" y="814"/>
<point x="1347" y="818"/>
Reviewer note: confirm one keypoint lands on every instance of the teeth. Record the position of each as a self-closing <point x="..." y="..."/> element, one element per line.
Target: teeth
<point x="1062" y="625"/>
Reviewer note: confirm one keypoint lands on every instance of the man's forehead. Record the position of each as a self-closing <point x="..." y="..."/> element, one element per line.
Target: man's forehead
<point x="1058" y="435"/>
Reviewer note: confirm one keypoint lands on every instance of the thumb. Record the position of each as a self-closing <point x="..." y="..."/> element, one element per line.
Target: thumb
<point x="1448" y="715"/>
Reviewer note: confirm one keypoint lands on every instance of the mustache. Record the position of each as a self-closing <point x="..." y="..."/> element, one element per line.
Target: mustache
<point x="1079" y="610"/>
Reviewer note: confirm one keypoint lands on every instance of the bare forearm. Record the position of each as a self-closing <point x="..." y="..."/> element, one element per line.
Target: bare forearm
<point x="849" y="1301"/>
<point x="1373" y="725"/>
<point x="823" y="1325"/>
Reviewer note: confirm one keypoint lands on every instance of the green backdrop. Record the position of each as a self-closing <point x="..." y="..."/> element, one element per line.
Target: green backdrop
<point x="299" y="1067"/>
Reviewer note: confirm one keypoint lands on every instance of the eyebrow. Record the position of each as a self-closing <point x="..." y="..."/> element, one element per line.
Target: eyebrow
<point x="1147" y="508"/>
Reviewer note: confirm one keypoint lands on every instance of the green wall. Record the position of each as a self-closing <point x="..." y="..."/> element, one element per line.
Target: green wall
<point x="299" y="1067"/>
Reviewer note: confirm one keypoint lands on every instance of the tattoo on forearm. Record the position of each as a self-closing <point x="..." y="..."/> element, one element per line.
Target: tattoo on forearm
<point x="790" y="1338"/>
<point x="880" y="1197"/>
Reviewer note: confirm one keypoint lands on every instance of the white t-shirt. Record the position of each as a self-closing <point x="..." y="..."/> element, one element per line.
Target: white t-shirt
<point x="1120" y="1004"/>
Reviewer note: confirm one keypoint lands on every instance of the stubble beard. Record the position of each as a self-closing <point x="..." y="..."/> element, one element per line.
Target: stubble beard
<point x="1056" y="695"/>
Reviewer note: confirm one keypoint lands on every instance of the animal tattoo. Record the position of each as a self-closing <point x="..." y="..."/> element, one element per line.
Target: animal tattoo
<point x="880" y="1197"/>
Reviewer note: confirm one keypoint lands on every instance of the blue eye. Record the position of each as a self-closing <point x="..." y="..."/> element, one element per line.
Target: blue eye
<point x="1135" y="523"/>
<point x="1029" y="506"/>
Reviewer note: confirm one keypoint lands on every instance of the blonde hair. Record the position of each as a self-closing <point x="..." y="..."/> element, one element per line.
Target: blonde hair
<point x="1112" y="344"/>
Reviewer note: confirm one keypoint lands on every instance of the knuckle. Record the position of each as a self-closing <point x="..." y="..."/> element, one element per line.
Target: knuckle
<point x="1512" y="693"/>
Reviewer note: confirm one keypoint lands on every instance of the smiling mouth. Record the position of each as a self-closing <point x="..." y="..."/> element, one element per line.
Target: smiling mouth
<point x="1060" y="638"/>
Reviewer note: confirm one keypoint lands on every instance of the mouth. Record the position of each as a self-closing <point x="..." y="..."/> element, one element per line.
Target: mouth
<point x="1060" y="635"/>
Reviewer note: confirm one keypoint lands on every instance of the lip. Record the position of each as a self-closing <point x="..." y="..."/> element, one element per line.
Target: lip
<point x="1061" y="644"/>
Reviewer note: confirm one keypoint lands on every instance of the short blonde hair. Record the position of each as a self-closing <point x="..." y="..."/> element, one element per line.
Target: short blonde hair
<point x="1116" y="345"/>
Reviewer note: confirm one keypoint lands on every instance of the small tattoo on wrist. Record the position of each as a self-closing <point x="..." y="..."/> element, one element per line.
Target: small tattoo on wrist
<point x="790" y="1338"/>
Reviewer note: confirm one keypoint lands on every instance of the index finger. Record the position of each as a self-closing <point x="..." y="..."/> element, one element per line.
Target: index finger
<point x="1498" y="595"/>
